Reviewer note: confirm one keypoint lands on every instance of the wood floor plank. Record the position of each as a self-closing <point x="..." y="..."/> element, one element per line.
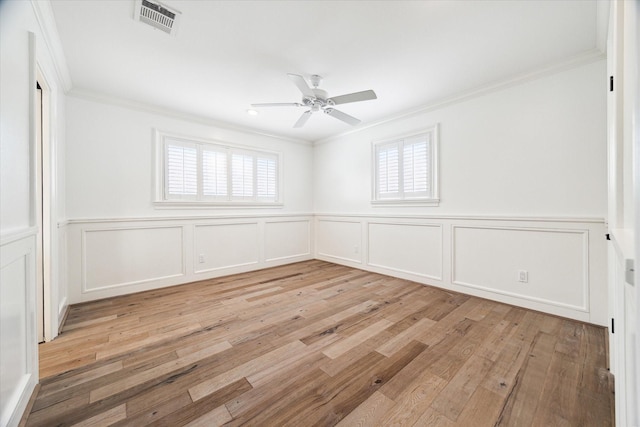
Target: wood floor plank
<point x="558" y="399"/>
<point x="314" y="343"/>
<point x="369" y="412"/>
<point x="433" y="418"/>
<point x="522" y="402"/>
<point x="269" y="396"/>
<point x="209" y="386"/>
<point x="216" y="417"/>
<point x="154" y="413"/>
<point x="210" y="402"/>
<point x="414" y="332"/>
<point x="482" y="409"/>
<point x="106" y="418"/>
<point x="146" y="375"/>
<point x="347" y="344"/>
<point x="394" y="388"/>
<point x="414" y="400"/>
<point x="454" y="397"/>
<point x="81" y="378"/>
<point x="340" y="364"/>
<point x="502" y="374"/>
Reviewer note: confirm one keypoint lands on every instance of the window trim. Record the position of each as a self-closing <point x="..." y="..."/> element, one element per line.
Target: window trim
<point x="434" y="198"/>
<point x="159" y="177"/>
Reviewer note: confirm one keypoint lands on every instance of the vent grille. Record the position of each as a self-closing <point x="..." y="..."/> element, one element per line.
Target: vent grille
<point x="157" y="16"/>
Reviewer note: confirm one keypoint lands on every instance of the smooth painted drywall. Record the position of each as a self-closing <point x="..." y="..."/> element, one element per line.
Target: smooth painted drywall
<point x="18" y="350"/>
<point x="533" y="149"/>
<point x="109" y="162"/>
<point x="14" y="116"/>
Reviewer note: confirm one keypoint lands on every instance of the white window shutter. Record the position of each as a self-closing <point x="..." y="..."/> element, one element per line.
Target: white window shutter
<point x="388" y="170"/>
<point x="214" y="173"/>
<point x="181" y="170"/>
<point x="242" y="176"/>
<point x="416" y="167"/>
<point x="266" y="178"/>
<point x="405" y="170"/>
<point x="199" y="172"/>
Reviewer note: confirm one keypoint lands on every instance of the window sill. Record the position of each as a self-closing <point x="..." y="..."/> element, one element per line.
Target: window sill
<point x="222" y="205"/>
<point x="409" y="202"/>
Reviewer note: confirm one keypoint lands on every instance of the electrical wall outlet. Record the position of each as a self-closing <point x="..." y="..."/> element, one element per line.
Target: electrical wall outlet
<point x="523" y="276"/>
<point x="356" y="249"/>
<point x="201" y="258"/>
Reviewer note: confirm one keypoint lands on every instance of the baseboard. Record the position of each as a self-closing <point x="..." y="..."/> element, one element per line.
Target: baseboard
<point x="27" y="410"/>
<point x="63" y="319"/>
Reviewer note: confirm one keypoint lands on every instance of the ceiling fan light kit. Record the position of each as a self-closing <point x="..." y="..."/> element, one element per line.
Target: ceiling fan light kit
<point x="318" y="100"/>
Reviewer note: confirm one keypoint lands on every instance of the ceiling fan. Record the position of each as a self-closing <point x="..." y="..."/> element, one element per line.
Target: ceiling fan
<point x="318" y="100"/>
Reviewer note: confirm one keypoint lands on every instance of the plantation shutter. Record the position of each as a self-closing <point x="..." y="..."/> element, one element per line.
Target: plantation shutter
<point x="181" y="170"/>
<point x="416" y="167"/>
<point x="388" y="163"/>
<point x="241" y="176"/>
<point x="200" y="172"/>
<point x="214" y="173"/>
<point x="266" y="178"/>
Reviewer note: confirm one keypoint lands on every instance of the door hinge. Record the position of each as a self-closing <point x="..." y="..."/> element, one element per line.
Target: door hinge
<point x="610" y="83"/>
<point x="607" y="236"/>
<point x="613" y="326"/>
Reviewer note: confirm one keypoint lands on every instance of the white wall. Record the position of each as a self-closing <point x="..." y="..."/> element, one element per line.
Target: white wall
<point x="534" y="149"/>
<point x="19" y="55"/>
<point x="523" y="187"/>
<point x="14" y="106"/>
<point x="118" y="243"/>
<point x="109" y="161"/>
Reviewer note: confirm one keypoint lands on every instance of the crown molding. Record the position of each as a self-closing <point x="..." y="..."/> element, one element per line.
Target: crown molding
<point x="47" y="23"/>
<point x="103" y="98"/>
<point x="558" y="67"/>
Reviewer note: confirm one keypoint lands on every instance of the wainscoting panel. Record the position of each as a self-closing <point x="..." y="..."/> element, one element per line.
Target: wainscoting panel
<point x="221" y="246"/>
<point x="564" y="259"/>
<point x="127" y="256"/>
<point x="554" y="262"/>
<point x="286" y="240"/>
<point x="406" y="248"/>
<point x="18" y="338"/>
<point x="117" y="256"/>
<point x="339" y="240"/>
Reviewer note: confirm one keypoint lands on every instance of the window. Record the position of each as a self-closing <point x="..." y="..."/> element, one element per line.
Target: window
<point x="405" y="169"/>
<point x="193" y="172"/>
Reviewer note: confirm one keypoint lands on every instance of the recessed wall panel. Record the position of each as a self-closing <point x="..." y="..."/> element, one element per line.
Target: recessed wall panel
<point x="225" y="245"/>
<point x="339" y="239"/>
<point x="408" y="248"/>
<point x="286" y="239"/>
<point x="118" y="257"/>
<point x="554" y="263"/>
<point x="13" y="330"/>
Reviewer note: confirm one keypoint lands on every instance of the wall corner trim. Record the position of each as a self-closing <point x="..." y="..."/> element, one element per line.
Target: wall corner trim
<point x="47" y="22"/>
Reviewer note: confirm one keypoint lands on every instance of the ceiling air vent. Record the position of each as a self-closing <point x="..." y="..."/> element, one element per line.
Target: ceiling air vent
<point x="157" y="15"/>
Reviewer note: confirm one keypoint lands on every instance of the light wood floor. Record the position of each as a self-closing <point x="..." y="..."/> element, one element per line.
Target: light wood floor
<point x="315" y="343"/>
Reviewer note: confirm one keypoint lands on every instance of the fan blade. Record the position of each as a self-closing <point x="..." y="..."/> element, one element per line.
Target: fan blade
<point x="302" y="85"/>
<point x="303" y="119"/>
<point x="278" y="104"/>
<point x="342" y="116"/>
<point x="353" y="97"/>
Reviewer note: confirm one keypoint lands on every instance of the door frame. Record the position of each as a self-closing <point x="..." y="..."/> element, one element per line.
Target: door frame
<point x="42" y="202"/>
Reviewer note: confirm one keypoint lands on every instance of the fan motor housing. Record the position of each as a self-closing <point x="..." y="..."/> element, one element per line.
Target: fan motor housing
<point x="320" y="98"/>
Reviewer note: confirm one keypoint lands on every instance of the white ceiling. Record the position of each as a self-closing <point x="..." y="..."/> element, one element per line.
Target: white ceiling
<point x="229" y="54"/>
